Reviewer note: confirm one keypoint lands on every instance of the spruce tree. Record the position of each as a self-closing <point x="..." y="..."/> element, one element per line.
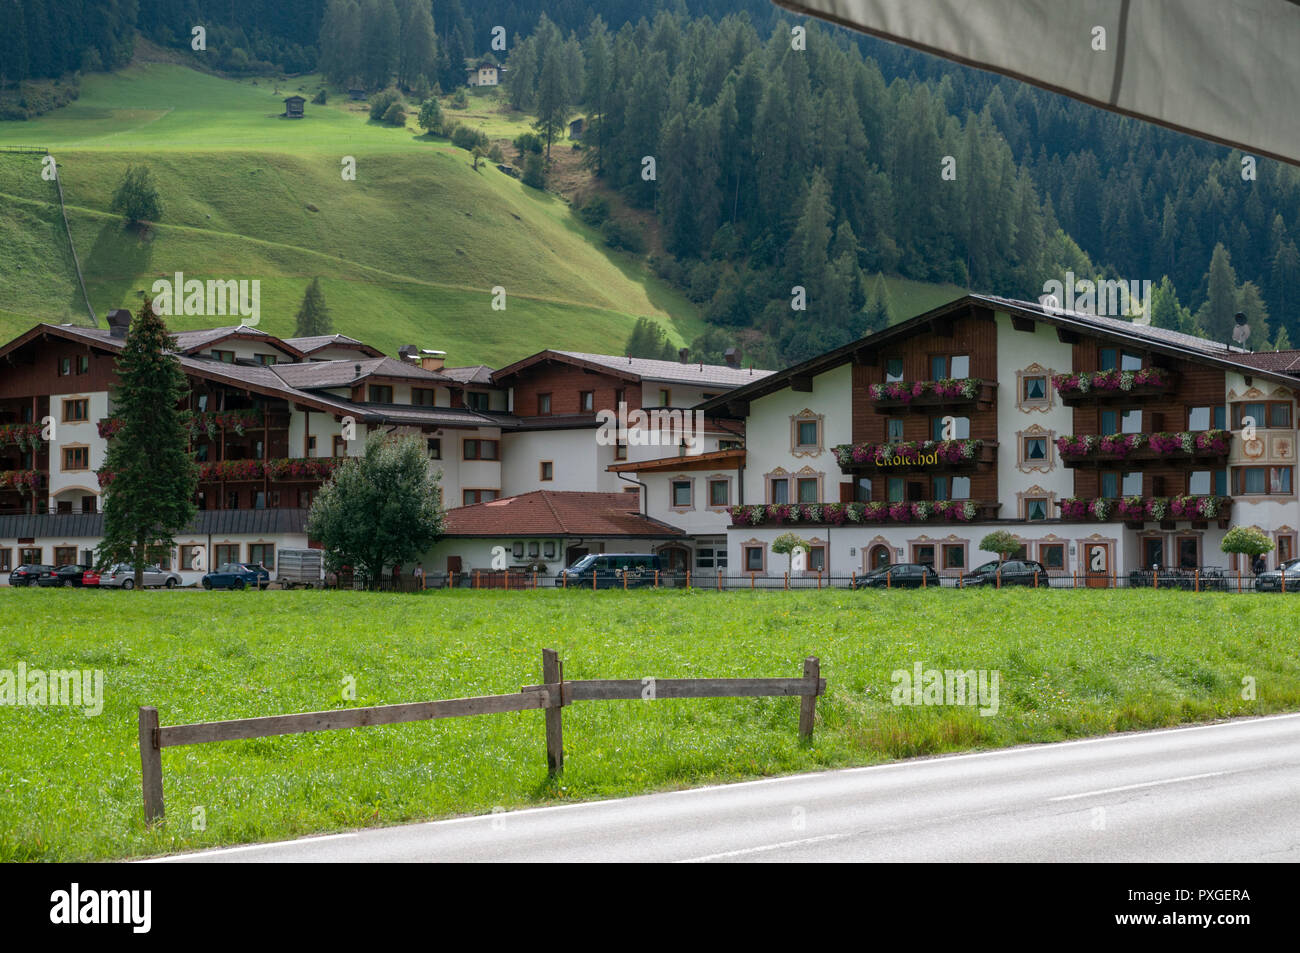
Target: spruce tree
<point x="313" y="316"/>
<point x="150" y="496"/>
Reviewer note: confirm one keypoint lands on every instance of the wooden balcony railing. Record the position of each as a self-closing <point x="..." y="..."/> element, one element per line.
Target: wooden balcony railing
<point x="849" y="514"/>
<point x="1187" y="447"/>
<point x="1105" y="386"/>
<point x="925" y="396"/>
<point x="939" y="455"/>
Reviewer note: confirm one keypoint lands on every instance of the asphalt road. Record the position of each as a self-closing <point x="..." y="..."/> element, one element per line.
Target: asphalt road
<point x="1222" y="792"/>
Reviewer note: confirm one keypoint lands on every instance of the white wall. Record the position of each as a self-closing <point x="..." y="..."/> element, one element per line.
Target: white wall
<point x="1018" y="351"/>
<point x="767" y="433"/>
<point x="77" y="483"/>
<point x="578" y="462"/>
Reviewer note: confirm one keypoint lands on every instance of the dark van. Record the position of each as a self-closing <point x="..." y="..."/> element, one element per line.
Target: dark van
<point x="610" y="571"/>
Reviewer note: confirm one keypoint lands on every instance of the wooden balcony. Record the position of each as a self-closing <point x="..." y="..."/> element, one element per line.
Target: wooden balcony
<point x="1212" y="451"/>
<point x="1138" y="512"/>
<point x="943" y="456"/>
<point x="1103" y="387"/>
<point x="984" y="397"/>
<point x="865" y="514"/>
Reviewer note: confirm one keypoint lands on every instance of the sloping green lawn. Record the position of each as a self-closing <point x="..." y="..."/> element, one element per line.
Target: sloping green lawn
<point x="1069" y="664"/>
<point x="408" y="252"/>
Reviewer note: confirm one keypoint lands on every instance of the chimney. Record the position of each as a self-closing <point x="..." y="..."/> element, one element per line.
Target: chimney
<point x="119" y="320"/>
<point x="406" y="353"/>
<point x="683" y="354"/>
<point x="432" y="360"/>
<point x="732" y="357"/>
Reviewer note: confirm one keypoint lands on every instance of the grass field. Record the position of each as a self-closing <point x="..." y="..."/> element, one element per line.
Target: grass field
<point x="1070" y="664"/>
<point x="408" y="252"/>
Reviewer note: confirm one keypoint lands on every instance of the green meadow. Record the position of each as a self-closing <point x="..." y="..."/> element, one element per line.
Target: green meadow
<point x="409" y="252"/>
<point x="1070" y="664"/>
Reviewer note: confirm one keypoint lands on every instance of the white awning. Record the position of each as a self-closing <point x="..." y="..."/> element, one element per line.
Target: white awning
<point x="1225" y="70"/>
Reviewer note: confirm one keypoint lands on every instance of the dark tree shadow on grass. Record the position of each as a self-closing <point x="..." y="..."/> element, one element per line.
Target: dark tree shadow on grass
<point x="117" y="266"/>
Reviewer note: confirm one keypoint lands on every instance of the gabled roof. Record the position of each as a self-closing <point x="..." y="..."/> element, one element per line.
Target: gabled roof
<point x="555" y="513"/>
<point x="475" y="374"/>
<point x="190" y="342"/>
<point x="310" y="345"/>
<point x="326" y="374"/>
<point x="1159" y="340"/>
<point x="1281" y="362"/>
<point x="256" y="378"/>
<point x="638" y="369"/>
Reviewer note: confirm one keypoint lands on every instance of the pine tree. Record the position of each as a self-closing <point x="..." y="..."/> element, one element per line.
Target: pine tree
<point x="553" y="108"/>
<point x="416" y="48"/>
<point x="313" y="315"/>
<point x="150" y="496"/>
<point x="1251" y="303"/>
<point x="1216" y="315"/>
<point x="648" y="340"/>
<point x="379" y="42"/>
<point x="1283" y="340"/>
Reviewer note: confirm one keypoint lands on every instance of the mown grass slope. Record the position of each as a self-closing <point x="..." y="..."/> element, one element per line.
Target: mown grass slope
<point x="409" y="252"/>
<point x="1069" y="664"/>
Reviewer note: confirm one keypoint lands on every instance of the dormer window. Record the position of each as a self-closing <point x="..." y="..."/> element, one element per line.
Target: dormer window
<point x="380" y="394"/>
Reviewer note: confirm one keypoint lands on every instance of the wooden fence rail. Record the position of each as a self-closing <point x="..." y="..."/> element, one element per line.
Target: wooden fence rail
<point x="552" y="697"/>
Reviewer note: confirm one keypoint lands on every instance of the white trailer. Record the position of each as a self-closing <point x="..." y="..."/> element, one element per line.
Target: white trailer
<point x="300" y="567"/>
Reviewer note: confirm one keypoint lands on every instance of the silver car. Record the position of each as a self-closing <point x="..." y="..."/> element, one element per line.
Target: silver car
<point x="122" y="576"/>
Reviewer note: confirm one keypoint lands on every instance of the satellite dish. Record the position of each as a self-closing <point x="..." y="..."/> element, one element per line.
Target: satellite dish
<point x="1241" y="333"/>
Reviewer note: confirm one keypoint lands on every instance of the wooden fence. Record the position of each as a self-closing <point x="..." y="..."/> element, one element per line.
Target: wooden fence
<point x="552" y="696"/>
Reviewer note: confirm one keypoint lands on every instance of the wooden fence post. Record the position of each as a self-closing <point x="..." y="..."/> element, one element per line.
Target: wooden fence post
<point x="151" y="766"/>
<point x="553" y="673"/>
<point x="808" y="704"/>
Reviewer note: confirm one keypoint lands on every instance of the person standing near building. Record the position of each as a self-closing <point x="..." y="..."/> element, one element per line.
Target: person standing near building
<point x="419" y="576"/>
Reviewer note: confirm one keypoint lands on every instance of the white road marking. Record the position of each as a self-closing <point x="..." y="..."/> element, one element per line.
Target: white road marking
<point x="759" y="850"/>
<point x="235" y="850"/>
<point x="1134" y="787"/>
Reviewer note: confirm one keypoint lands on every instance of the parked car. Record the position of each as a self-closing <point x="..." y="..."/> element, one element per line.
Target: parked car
<point x="90" y="579"/>
<point x="611" y="570"/>
<point x="122" y="576"/>
<point x="235" y="576"/>
<point x="901" y="576"/>
<point x="1271" y="581"/>
<point x="69" y="575"/>
<point x="28" y="574"/>
<point x="1013" y="572"/>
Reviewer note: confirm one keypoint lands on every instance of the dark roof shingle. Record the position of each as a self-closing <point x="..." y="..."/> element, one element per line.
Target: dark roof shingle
<point x="556" y="513"/>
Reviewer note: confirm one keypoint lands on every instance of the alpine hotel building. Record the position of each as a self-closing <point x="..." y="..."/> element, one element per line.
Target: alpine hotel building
<point x="1102" y="445"/>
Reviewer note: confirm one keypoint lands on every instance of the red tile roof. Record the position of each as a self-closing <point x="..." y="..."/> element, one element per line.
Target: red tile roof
<point x="553" y="513"/>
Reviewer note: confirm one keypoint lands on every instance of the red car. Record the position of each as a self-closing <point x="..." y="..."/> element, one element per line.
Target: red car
<point x="90" y="578"/>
